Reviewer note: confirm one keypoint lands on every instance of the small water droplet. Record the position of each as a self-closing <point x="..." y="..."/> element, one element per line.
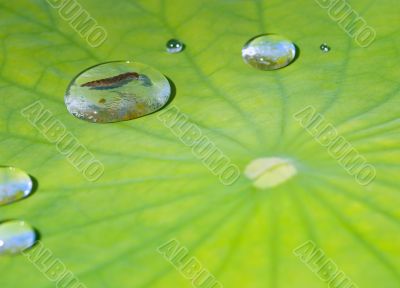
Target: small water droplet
<point x="325" y="48"/>
<point x="117" y="91"/>
<point x="174" y="46"/>
<point x="270" y="171"/>
<point x="269" y="52"/>
<point x="15" y="184"/>
<point x="16" y="236"/>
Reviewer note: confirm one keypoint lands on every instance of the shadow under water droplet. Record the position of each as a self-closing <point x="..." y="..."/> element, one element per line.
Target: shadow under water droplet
<point x="173" y="92"/>
<point x="5" y="220"/>
<point x="35" y="185"/>
<point x="38" y="237"/>
<point x="298" y="52"/>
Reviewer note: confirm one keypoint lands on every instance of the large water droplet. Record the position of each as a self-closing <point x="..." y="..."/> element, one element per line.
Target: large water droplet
<point x="15" y="184"/>
<point x="117" y="91"/>
<point x="270" y="171"/>
<point x="16" y="236"/>
<point x="269" y="52"/>
<point x="174" y="46"/>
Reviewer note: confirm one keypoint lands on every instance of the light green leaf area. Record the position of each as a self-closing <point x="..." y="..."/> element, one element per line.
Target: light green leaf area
<point x="154" y="189"/>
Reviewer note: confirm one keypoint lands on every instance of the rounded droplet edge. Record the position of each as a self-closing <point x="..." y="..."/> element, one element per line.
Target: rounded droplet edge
<point x="172" y="91"/>
<point x="32" y="186"/>
<point x="35" y="233"/>
<point x="297" y="51"/>
<point x="169" y="50"/>
<point x="325" y="48"/>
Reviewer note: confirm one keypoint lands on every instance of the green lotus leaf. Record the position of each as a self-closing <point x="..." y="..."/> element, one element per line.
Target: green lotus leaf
<point x="154" y="188"/>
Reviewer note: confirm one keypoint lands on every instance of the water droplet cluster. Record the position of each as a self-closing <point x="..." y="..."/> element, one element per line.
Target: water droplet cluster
<point x="15" y="235"/>
<point x="123" y="90"/>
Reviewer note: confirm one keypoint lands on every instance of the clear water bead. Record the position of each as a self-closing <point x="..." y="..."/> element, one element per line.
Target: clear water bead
<point x="174" y="46"/>
<point x="269" y="52"/>
<point x="325" y="48"/>
<point x="117" y="91"/>
<point x="16" y="236"/>
<point x="15" y="184"/>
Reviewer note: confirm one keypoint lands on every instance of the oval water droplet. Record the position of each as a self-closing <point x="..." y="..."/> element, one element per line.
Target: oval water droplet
<point x="325" y="48"/>
<point x="117" y="91"/>
<point x="174" y="46"/>
<point x="269" y="52"/>
<point x="16" y="236"/>
<point x="15" y="184"/>
<point x="270" y="171"/>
